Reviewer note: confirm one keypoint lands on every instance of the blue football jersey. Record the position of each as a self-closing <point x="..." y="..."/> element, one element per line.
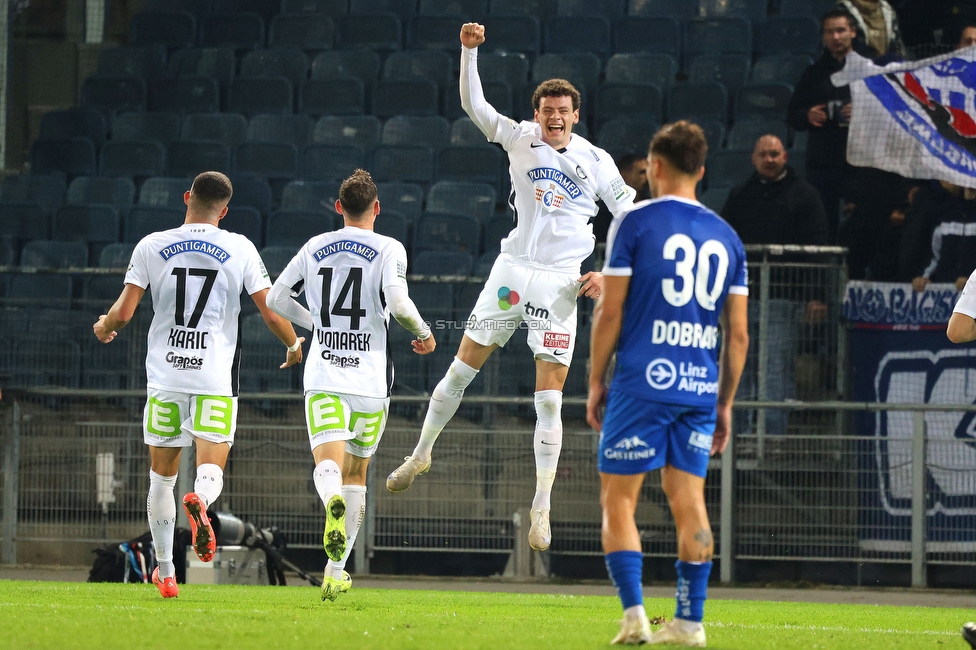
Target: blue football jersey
<point x="683" y="261"/>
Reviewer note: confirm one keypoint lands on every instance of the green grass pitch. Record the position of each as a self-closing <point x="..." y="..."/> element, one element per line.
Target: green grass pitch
<point x="108" y="616"/>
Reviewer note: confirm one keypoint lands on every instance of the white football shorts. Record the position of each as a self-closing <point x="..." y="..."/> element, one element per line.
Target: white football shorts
<point x="360" y="421"/>
<point x="173" y="419"/>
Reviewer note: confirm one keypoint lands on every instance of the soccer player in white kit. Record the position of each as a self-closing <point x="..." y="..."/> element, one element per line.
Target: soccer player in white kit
<point x="197" y="273"/>
<point x="353" y="280"/>
<point x="962" y="323"/>
<point x="557" y="177"/>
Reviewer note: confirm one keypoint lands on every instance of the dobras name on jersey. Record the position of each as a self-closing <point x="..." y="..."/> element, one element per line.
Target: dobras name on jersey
<point x="684" y="335"/>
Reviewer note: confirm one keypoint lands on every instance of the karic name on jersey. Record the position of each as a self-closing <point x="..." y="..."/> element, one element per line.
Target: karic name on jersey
<point x="195" y="246"/>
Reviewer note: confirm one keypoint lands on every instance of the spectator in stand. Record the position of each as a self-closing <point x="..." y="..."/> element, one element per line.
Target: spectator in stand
<point x="877" y="26"/>
<point x="873" y="202"/>
<point x="951" y="211"/>
<point x="824" y="110"/>
<point x="776" y="206"/>
<point x="632" y="168"/>
<point x="968" y="36"/>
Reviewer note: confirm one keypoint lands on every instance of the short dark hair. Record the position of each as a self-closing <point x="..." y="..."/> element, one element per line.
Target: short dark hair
<point x="627" y="160"/>
<point x="357" y="193"/>
<point x="839" y="12"/>
<point x="682" y="144"/>
<point x="556" y="88"/>
<point x="211" y="189"/>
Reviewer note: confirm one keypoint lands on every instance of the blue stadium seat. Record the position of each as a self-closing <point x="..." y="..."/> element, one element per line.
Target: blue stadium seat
<point x="435" y="300"/>
<point x="229" y="128"/>
<point x="642" y="67"/>
<point x="497" y="93"/>
<point x="447" y="232"/>
<point x="331" y="162"/>
<point x="188" y="158"/>
<point x="49" y="254"/>
<point x="417" y="97"/>
<point x="342" y="96"/>
<point x="87" y="223"/>
<point x="267" y="160"/>
<point x="541" y="10"/>
<point x="431" y="65"/>
<point x="480" y="164"/>
<point x="393" y="224"/>
<point x="118" y="192"/>
<point x="290" y="129"/>
<point x="763" y="102"/>
<point x="73" y="123"/>
<point x="728" y="168"/>
<point x="811" y="8"/>
<point x="144" y="220"/>
<point x="276" y="258"/>
<point x="469" y="10"/>
<point x="402" y="9"/>
<point x="218" y="63"/>
<point x="266" y="9"/>
<point x="185" y="95"/>
<point x="580" y="68"/>
<point x="654" y="35"/>
<point x="71" y="157"/>
<point x="744" y="133"/>
<point x="143" y="62"/>
<point x="629" y="101"/>
<point x="163" y="192"/>
<point x="330" y="8"/>
<point x="242" y="31"/>
<point x="473" y="199"/>
<point x="714" y="133"/>
<point x="363" y="130"/>
<point x="797" y="35"/>
<point x="308" y="32"/>
<point x="626" y="136"/>
<point x="433" y="131"/>
<point x="23" y="221"/>
<point x="714" y="199"/>
<point x="112" y="95"/>
<point x="577" y="34"/>
<point x="442" y="263"/>
<point x="800" y="140"/>
<point x="172" y="29"/>
<point x="404" y="163"/>
<point x="511" y="35"/>
<point x="115" y="256"/>
<point x="704" y="101"/>
<point x="198" y="8"/>
<point x="310" y="196"/>
<point x="609" y="9"/>
<point x="787" y="68"/>
<point x="511" y="68"/>
<point x="405" y="198"/>
<point x="132" y="159"/>
<point x="259" y="370"/>
<point x="51" y="291"/>
<point x="104" y="367"/>
<point x="752" y="10"/>
<point x="718" y="36"/>
<point x="681" y="9"/>
<point x="434" y="33"/>
<point x="39" y="361"/>
<point x="465" y="133"/>
<point x="287" y="62"/>
<point x="730" y="70"/>
<point x="496" y="229"/>
<point x="294" y="228"/>
<point x="161" y="127"/>
<point x="246" y="221"/>
<point x="256" y="95"/>
<point x="362" y="64"/>
<point x="251" y="192"/>
<point x="379" y="32"/>
<point x="44" y="190"/>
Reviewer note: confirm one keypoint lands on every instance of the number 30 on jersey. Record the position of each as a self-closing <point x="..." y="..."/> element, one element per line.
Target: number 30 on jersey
<point x="694" y="270"/>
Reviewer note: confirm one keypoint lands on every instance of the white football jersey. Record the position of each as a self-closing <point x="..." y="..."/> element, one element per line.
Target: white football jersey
<point x="196" y="274"/>
<point x="343" y="274"/>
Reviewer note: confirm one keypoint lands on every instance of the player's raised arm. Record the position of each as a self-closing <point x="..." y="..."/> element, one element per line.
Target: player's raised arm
<point x="473" y="99"/>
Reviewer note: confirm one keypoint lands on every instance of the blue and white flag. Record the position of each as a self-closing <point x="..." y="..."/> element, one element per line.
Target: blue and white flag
<point x="916" y="119"/>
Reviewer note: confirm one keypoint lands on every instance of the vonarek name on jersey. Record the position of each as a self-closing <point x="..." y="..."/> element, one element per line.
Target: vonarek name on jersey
<point x="344" y="340"/>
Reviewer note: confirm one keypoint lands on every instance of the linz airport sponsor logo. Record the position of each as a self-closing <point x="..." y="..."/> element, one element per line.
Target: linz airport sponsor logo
<point x="661" y="374"/>
<point x="368" y="253"/>
<point x="187" y="339"/>
<point x="195" y="246"/>
<point x="632" y="448"/>
<point x="180" y="362"/>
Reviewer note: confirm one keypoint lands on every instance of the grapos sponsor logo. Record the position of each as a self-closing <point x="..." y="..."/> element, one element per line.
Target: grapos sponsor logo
<point x="184" y="363"/>
<point x="632" y="448"/>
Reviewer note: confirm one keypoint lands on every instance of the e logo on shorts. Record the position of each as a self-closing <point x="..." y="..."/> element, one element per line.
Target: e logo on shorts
<point x="507" y="298"/>
<point x="368" y="425"/>
<point x="213" y="414"/>
<point x="163" y="418"/>
<point x="325" y="413"/>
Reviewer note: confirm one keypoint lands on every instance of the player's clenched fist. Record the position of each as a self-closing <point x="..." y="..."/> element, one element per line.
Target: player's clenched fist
<point x="472" y="35"/>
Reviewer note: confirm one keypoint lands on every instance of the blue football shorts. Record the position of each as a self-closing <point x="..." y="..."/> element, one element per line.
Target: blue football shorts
<point x="639" y="436"/>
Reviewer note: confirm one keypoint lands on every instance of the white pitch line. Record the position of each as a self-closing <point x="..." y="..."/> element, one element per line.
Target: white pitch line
<point x="830" y="628"/>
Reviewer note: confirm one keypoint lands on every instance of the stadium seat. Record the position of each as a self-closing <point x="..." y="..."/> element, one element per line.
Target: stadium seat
<point x="786" y="68"/>
<point x="218" y="63"/>
<point x="435" y="300"/>
<point x="800" y="140"/>
<point x="433" y="131"/>
<point x="609" y="9"/>
<point x="115" y="256"/>
<point x="104" y="367"/>
<point x="714" y="199"/>
<point x="744" y="133"/>
<point x="511" y="68"/>
<point x="143" y="62"/>
<point x="752" y="10"/>
<point x="580" y="68"/>
<point x="497" y="93"/>
<point x="241" y="31"/>
<point x="342" y="96"/>
<point x="704" y="101"/>
<point x="161" y="127"/>
<point x="404" y="163"/>
<point x="308" y="32"/>
<point x="331" y="162"/>
<point x="290" y="129"/>
<point x="287" y="62"/>
<point x="625" y="136"/>
<point x="44" y="190"/>
<point x="442" y="263"/>
<point x="294" y="228"/>
<point x="629" y="101"/>
<point x="73" y="123"/>
<point x="541" y="10"/>
<point x="132" y="159"/>
<point x="185" y="95"/>
<point x="404" y="198"/>
<point x="87" y="223"/>
<point x="229" y="128"/>
<point x="714" y="133"/>
<point x="681" y="9"/>
<point x="402" y="9"/>
<point x="172" y="29"/>
<point x="71" y="157"/>
<point x="49" y="254"/>
<point x="473" y="199"/>
<point x="763" y="102"/>
<point x="256" y="95"/>
<point x="796" y="35"/>
<point x="310" y="196"/>
<point x="118" y="192"/>
<point x="496" y="229"/>
<point x="431" y="65"/>
<point x="163" y="192"/>
<point x="434" y="33"/>
<point x="653" y="35"/>
<point x="187" y="158"/>
<point x="511" y="35"/>
<point x="728" y="168"/>
<point x="642" y="67"/>
<point x="266" y="9"/>
<point x="330" y="8"/>
<point x="246" y="221"/>
<point x="469" y="10"/>
<point x="718" y="36"/>
<point x="276" y="258"/>
<point x="267" y="160"/>
<point x="39" y="361"/>
<point x="144" y="220"/>
<point x="480" y="164"/>
<point x="259" y="370"/>
<point x="50" y="290"/>
<point x="577" y="34"/>
<point x="810" y="8"/>
<point x="379" y="32"/>
<point x="447" y="232"/>
<point x="362" y="64"/>
<point x="363" y="130"/>
<point x="416" y="97"/>
<point x="464" y="133"/>
<point x="23" y="221"/>
<point x="251" y="192"/>
<point x="112" y="95"/>
<point x="393" y="224"/>
<point x="730" y="70"/>
<point x="198" y="8"/>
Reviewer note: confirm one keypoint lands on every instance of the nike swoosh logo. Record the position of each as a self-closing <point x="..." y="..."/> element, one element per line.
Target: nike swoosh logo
<point x="558" y="353"/>
<point x="536" y="145"/>
<point x="551" y="444"/>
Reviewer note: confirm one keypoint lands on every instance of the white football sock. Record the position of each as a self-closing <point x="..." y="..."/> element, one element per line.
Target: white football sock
<point x="444" y="403"/>
<point x="328" y="480"/>
<point x="548" y="442"/>
<point x="209" y="482"/>
<point x="355" y="496"/>
<point x="161" y="510"/>
<point x="634" y="611"/>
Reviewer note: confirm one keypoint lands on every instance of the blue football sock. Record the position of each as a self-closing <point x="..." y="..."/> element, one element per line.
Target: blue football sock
<point x="692" y="585"/>
<point x="625" y="569"/>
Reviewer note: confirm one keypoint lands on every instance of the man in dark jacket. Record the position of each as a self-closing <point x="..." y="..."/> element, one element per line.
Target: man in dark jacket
<point x="824" y="110"/>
